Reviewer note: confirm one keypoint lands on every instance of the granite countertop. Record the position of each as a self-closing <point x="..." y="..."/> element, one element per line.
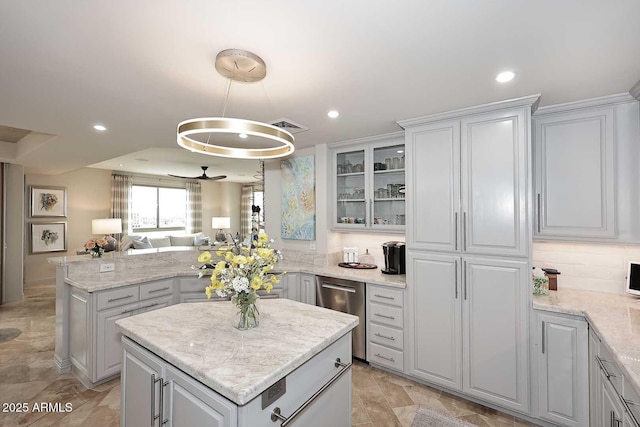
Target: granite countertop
<point x="615" y="318"/>
<point x="144" y="273"/>
<point x="198" y="338"/>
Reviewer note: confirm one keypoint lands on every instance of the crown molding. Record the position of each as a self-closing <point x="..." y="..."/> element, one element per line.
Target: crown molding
<point x="635" y="91"/>
<point x="526" y="101"/>
<point x="368" y="139"/>
<point x="620" y="98"/>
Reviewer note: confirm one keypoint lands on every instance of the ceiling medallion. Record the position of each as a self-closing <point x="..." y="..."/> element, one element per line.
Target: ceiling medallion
<point x="236" y="138"/>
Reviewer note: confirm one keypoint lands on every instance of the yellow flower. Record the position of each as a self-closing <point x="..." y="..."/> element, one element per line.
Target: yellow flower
<point x="268" y="287"/>
<point x="263" y="237"/>
<point x="208" y="290"/>
<point x="256" y="282"/>
<point x="222" y="251"/>
<point x="264" y="252"/>
<point x="204" y="257"/>
<point x="267" y="269"/>
<point x="216" y="284"/>
<point x="246" y="249"/>
<point x="274" y="279"/>
<point x="228" y="256"/>
<point x="239" y="259"/>
<point x="221" y="265"/>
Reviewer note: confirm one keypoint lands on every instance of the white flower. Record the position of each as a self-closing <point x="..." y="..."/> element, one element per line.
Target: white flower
<point x="240" y="284"/>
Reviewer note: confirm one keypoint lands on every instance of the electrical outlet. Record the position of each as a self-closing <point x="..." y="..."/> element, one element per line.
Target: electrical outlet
<point x="104" y="268"/>
<point x="312" y="245"/>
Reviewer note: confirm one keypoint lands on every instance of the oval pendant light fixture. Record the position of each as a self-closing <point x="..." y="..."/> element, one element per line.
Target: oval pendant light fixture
<point x="230" y="137"/>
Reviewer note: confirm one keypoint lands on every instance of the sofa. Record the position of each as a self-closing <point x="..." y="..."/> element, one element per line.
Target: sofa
<point x="145" y="242"/>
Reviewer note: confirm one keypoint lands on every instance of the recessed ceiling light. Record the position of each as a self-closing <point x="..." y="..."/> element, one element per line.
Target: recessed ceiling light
<point x="243" y="136"/>
<point x="400" y="151"/>
<point x="100" y="128"/>
<point x="505" y="76"/>
<point x="121" y="165"/>
<point x="333" y="114"/>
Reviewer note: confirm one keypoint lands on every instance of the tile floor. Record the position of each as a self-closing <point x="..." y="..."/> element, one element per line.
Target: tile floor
<point x="380" y="399"/>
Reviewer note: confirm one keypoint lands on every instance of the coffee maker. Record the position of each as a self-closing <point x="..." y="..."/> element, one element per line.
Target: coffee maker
<point x="394" y="258"/>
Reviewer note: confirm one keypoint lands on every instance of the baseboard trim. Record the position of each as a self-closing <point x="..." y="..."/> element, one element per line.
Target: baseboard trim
<point x="39" y="282"/>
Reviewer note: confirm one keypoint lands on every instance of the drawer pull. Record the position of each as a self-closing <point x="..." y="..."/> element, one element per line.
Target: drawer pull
<point x="384" y="336"/>
<point x="154" y="380"/>
<point x="626" y="404"/>
<point x="120" y="298"/>
<point x="276" y="413"/>
<point x="384" y="296"/>
<point x="390" y="359"/>
<point x="384" y="316"/>
<point x="139" y="308"/>
<point x="159" y="290"/>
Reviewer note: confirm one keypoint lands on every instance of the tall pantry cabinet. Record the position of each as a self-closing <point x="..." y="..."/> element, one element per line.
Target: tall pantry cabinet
<point x="468" y="249"/>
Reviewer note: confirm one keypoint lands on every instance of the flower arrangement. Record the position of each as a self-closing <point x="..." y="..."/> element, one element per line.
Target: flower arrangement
<point x="239" y="273"/>
<point x="96" y="247"/>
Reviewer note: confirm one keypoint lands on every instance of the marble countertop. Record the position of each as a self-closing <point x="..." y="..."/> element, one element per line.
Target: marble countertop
<point x="135" y="274"/>
<point x="615" y="318"/>
<point x="199" y="339"/>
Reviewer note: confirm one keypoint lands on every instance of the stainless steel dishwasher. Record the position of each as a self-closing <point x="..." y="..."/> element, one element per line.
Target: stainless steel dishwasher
<point x="346" y="296"/>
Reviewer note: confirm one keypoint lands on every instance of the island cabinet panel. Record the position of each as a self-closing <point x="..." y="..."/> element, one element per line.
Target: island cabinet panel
<point x="299" y="287"/>
<point x="308" y="288"/>
<point x="562" y="369"/>
<point x="189" y="403"/>
<point x="80" y="327"/>
<point x="142" y="374"/>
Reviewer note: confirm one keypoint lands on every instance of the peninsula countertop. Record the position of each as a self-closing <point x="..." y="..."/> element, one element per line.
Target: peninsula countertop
<point x="138" y="273"/>
<point x="199" y="339"/>
<point x="615" y="318"/>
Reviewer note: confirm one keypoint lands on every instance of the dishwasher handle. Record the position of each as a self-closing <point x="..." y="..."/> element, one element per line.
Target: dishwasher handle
<point x="338" y="288"/>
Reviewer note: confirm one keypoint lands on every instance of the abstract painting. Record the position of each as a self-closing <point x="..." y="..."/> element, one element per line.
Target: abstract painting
<point x="48" y="237"/>
<point x="298" y="205"/>
<point x="48" y="201"/>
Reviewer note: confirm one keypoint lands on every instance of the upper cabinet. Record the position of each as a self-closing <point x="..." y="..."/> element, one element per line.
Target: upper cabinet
<point x="586" y="177"/>
<point x="467" y="179"/>
<point x="368" y="183"/>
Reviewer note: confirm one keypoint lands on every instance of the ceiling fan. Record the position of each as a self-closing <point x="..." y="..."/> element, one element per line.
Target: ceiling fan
<point x="203" y="176"/>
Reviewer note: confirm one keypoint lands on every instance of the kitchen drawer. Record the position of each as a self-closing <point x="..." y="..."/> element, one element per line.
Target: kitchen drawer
<point x="386" y="315"/>
<point x="386" y="336"/>
<point x="156" y="289"/>
<point x="632" y="399"/>
<point x="614" y="373"/>
<point x="275" y="293"/>
<point x="194" y="284"/>
<point x="386" y="356"/>
<point x="117" y="297"/>
<point x="385" y="295"/>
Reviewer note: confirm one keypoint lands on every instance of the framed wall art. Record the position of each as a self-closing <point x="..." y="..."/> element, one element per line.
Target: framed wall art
<point x="48" y="201"/>
<point x="48" y="237"/>
<point x="298" y="204"/>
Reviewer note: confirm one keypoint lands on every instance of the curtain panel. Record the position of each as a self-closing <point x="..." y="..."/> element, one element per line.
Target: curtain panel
<point x="120" y="200"/>
<point x="245" y="211"/>
<point x="194" y="207"/>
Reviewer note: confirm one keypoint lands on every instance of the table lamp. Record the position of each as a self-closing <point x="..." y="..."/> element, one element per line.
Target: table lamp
<point x="220" y="222"/>
<point x="107" y="227"/>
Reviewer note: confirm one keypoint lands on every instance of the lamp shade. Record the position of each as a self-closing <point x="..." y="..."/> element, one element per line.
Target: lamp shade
<point x="220" y="222"/>
<point x="106" y="226"/>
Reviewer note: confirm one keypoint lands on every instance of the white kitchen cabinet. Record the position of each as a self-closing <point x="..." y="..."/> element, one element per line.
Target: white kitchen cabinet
<point x="308" y="288"/>
<point x="467" y="184"/>
<point x="586" y="171"/>
<point x="469" y="325"/>
<point x="158" y="394"/>
<point x="385" y="326"/>
<point x="562" y="369"/>
<point x="575" y="177"/>
<point x="368" y="184"/>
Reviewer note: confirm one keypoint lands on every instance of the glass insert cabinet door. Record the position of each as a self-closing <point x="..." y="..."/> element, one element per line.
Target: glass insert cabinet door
<point x="370" y="186"/>
<point x="350" y="188"/>
<point x="388" y="186"/>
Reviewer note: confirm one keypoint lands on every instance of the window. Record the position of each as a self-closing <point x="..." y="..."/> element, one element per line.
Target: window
<point x="155" y="208"/>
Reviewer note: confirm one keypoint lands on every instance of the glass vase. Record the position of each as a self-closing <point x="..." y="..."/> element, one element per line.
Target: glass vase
<point x="247" y="315"/>
<point x="96" y="253"/>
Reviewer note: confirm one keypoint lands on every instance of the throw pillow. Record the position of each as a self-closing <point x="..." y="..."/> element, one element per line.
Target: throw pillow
<point x="127" y="242"/>
<point x="160" y="242"/>
<point x="182" y="240"/>
<point x="142" y="243"/>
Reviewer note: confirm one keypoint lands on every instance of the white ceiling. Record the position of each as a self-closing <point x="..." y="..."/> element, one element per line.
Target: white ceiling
<point x="140" y="67"/>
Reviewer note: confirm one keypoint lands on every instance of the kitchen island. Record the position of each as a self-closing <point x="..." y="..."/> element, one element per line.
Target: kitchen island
<point x="186" y="364"/>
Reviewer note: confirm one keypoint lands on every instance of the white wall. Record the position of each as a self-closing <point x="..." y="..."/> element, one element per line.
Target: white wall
<point x="589" y="267"/>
